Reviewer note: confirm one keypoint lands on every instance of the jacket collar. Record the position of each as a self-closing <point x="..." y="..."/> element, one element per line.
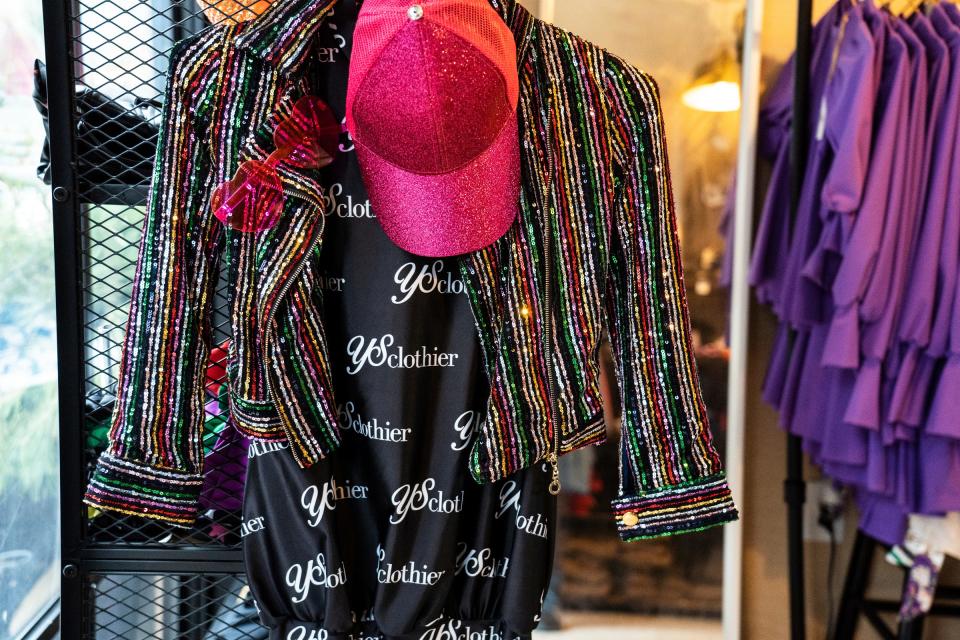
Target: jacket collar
<point x="282" y="34"/>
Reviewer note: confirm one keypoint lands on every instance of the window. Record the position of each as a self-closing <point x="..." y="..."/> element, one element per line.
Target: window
<point x="29" y="489"/>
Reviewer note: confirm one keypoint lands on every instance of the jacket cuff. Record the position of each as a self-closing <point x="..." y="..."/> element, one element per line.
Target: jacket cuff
<point x="137" y="488"/>
<point x="681" y="509"/>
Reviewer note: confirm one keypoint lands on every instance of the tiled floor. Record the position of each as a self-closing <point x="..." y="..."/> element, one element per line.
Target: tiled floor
<point x="611" y="626"/>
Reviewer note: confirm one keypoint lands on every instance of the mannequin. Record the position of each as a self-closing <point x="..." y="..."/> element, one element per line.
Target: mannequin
<point x="228" y="11"/>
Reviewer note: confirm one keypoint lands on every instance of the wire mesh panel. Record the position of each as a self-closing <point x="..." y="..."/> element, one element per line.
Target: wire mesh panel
<point x="198" y="606"/>
<point x="120" y="59"/>
<point x="123" y="576"/>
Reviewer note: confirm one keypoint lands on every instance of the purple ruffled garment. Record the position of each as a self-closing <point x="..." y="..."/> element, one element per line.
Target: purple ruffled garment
<point x="772" y="241"/>
<point x="800" y="304"/>
<point x="866" y="271"/>
<point x="920" y="305"/>
<point x="855" y="361"/>
<point x="907" y="406"/>
<point x="949" y="256"/>
<point x="844" y="121"/>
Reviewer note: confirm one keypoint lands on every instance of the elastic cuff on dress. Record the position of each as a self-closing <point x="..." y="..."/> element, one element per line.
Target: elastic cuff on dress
<point x="682" y="509"/>
<point x="136" y="488"/>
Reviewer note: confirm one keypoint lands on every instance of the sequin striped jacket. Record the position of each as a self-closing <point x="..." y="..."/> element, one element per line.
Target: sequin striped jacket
<point x="594" y="251"/>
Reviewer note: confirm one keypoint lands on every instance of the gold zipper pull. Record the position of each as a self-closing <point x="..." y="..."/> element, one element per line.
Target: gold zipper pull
<point x="554" y="487"/>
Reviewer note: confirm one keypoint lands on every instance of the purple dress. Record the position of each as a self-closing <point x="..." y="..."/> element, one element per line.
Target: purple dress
<point x="927" y="468"/>
<point x="906" y="408"/>
<point x="940" y="442"/>
<point x="841" y="150"/>
<point x="842" y="78"/>
<point x="862" y="290"/>
<point x="925" y="321"/>
<point x="772" y="240"/>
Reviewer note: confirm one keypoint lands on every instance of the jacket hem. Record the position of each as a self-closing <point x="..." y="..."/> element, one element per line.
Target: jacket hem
<point x="684" y="509"/>
<point x="137" y="488"/>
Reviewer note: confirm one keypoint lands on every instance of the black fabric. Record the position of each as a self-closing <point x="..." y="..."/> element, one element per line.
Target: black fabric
<point x="390" y="537"/>
<point x="115" y="141"/>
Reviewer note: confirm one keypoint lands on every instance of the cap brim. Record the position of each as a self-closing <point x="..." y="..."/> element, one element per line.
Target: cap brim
<point x="451" y="213"/>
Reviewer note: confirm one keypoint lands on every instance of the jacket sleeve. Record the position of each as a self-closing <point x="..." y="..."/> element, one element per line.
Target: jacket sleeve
<point x="153" y="463"/>
<point x="671" y="478"/>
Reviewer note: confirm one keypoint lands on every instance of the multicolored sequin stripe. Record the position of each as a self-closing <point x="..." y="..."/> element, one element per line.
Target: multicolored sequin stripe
<point x="668" y="464"/>
<point x="136" y="489"/>
<point x="703" y="504"/>
<point x="507" y="282"/>
<point x="218" y="91"/>
<point x="154" y="460"/>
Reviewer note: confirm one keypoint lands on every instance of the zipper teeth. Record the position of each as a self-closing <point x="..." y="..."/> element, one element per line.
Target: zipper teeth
<point x="548" y="296"/>
<point x="283" y="292"/>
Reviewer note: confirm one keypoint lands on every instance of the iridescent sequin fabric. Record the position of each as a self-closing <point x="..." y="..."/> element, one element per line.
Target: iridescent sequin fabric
<point x="595" y="189"/>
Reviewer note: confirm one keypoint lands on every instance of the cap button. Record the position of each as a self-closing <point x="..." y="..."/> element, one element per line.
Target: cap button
<point x="415" y="12"/>
<point x="630" y="519"/>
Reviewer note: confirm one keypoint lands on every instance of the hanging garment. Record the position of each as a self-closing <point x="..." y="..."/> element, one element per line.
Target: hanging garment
<point x="390" y="537"/>
<point x="594" y="250"/>
<point x="860" y="369"/>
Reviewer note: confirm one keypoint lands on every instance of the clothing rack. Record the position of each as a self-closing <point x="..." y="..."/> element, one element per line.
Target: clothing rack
<point x="853" y="602"/>
<point x="794" y="485"/>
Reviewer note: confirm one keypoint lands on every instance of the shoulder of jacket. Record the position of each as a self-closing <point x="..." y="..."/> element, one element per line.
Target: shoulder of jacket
<point x="194" y="61"/>
<point x="625" y="78"/>
<point x="618" y="75"/>
<point x="550" y="36"/>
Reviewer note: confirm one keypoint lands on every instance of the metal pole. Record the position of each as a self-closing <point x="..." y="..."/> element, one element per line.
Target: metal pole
<point x="794" y="485"/>
<point x="740" y="317"/>
<point x="65" y="207"/>
<point x="855" y="586"/>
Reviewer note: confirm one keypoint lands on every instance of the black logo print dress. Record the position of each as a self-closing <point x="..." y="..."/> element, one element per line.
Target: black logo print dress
<point x="390" y="537"/>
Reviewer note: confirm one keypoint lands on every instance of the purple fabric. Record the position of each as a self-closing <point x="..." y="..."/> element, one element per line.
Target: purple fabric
<point x="883" y="192"/>
<point x="939" y="475"/>
<point x="943" y="418"/>
<point x="865" y="281"/>
<point x="866" y="273"/>
<point x="950" y="238"/>
<point x="227" y="464"/>
<point x="882" y="518"/>
<point x="921" y="298"/>
<point x="772" y="241"/>
<point x="837" y="166"/>
<point x="906" y="407"/>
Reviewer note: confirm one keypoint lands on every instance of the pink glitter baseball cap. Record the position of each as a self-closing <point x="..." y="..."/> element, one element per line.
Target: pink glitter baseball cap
<point x="432" y="109"/>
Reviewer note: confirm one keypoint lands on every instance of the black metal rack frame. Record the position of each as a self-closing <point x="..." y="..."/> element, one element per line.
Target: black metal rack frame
<point x="177" y="576"/>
